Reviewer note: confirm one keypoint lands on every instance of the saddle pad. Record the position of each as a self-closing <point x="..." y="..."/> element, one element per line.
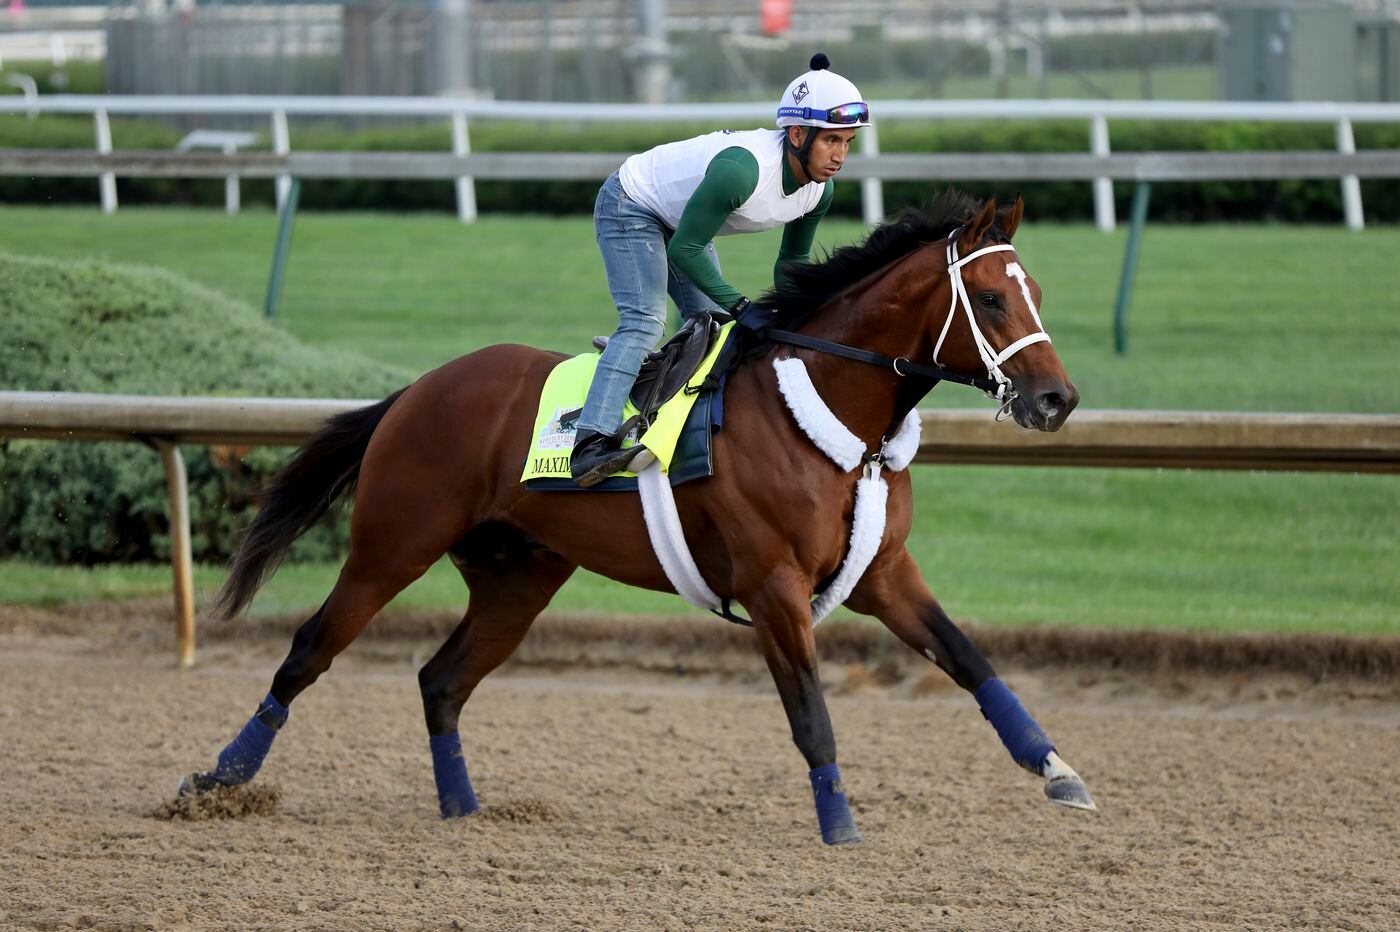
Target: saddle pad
<point x="692" y="459"/>
<point x="679" y="437"/>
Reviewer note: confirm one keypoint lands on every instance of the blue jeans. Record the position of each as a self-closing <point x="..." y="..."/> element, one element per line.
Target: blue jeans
<point x="633" y="242"/>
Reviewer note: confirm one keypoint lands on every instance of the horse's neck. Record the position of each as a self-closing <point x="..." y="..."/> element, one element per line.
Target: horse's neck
<point x="885" y="314"/>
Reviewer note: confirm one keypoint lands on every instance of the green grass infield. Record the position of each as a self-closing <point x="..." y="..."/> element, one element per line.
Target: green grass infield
<point x="1253" y="318"/>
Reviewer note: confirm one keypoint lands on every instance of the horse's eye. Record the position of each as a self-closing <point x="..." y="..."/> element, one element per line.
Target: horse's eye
<point x="989" y="300"/>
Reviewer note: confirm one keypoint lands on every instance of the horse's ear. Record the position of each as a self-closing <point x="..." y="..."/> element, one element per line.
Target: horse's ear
<point x="977" y="227"/>
<point x="1012" y="220"/>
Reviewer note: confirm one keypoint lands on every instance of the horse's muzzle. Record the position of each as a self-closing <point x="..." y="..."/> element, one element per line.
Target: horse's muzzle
<point x="1047" y="408"/>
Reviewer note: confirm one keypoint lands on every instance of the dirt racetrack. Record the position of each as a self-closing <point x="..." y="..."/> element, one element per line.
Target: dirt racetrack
<point x="619" y="796"/>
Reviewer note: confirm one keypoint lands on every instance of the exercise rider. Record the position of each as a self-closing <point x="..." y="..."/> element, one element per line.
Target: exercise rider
<point x="657" y="216"/>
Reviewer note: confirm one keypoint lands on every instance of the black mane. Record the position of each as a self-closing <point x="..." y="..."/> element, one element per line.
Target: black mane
<point x="810" y="286"/>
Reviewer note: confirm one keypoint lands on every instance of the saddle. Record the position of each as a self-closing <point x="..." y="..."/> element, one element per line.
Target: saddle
<point x="667" y="370"/>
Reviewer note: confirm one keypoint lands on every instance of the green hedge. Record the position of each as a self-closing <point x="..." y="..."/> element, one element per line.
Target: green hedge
<point x="1299" y="201"/>
<point x="89" y="326"/>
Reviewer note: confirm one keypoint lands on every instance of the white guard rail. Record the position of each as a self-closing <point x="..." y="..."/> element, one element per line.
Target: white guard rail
<point x="1097" y="113"/>
<point x="1154" y="439"/>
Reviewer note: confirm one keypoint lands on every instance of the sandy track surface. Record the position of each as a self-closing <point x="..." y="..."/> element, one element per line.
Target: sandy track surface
<point x="622" y="798"/>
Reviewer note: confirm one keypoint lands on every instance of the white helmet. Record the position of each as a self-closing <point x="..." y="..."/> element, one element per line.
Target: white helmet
<point x="822" y="98"/>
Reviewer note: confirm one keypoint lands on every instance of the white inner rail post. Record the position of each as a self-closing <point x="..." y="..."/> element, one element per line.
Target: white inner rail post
<point x="1351" y="185"/>
<point x="27" y="86"/>
<point x="466" y="185"/>
<point x="872" y="190"/>
<point x="227" y="142"/>
<point x="107" y="183"/>
<point x="282" y="145"/>
<point x="181" y="560"/>
<point x="232" y="198"/>
<point x="1103" y="187"/>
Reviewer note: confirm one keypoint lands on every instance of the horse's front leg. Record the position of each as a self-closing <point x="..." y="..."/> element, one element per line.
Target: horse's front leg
<point x="782" y="617"/>
<point x="894" y="591"/>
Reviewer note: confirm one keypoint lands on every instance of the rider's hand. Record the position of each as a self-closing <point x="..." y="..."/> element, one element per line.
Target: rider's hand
<point x="756" y="317"/>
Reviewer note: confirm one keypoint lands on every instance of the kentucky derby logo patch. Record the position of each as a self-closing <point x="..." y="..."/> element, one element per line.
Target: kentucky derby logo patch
<point x="799" y="93"/>
<point x="554" y="436"/>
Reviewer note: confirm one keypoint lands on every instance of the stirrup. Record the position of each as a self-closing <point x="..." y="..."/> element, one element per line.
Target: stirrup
<point x="586" y="475"/>
<point x="596" y="458"/>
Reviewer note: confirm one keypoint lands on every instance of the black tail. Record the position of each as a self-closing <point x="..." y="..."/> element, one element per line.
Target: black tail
<point x="303" y="490"/>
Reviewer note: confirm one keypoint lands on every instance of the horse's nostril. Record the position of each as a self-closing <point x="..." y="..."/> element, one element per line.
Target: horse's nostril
<point x="1048" y="403"/>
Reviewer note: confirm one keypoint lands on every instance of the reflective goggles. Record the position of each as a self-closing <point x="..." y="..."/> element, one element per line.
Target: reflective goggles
<point x="846" y="114"/>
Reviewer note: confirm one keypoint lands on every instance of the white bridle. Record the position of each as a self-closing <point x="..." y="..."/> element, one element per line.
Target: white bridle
<point x="990" y="357"/>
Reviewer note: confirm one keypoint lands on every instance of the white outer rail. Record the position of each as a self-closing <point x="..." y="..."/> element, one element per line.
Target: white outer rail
<point x="595" y="166"/>
<point x="1096" y="112"/>
<point x="1154" y="439"/>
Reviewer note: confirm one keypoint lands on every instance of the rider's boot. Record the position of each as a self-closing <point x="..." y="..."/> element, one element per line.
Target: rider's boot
<point x="597" y="456"/>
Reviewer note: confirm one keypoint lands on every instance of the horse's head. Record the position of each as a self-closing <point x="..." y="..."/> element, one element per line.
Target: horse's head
<point x="986" y="318"/>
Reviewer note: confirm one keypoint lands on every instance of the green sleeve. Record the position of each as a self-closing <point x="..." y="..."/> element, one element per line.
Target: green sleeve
<point x="730" y="179"/>
<point x="798" y="235"/>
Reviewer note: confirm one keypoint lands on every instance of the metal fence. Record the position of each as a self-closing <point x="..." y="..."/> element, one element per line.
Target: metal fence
<point x="1102" y="168"/>
<point x="654" y="50"/>
<point x="695" y="50"/>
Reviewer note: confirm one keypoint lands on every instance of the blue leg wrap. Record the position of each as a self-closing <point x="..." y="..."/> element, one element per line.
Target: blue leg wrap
<point x="1027" y="742"/>
<point x="455" y="795"/>
<point x="245" y="754"/>
<point x="833" y="813"/>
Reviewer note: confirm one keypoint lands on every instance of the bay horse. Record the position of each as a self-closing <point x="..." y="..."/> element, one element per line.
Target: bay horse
<point x="435" y="469"/>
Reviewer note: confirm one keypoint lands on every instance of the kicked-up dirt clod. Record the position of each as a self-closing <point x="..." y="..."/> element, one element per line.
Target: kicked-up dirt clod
<point x="222" y="802"/>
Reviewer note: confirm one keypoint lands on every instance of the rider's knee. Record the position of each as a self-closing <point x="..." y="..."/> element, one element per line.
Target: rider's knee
<point x="645" y="325"/>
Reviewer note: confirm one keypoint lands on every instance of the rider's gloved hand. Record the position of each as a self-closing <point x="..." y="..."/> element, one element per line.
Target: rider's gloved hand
<point x="755" y="317"/>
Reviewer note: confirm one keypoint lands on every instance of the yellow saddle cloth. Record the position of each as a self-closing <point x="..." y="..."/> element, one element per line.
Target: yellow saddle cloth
<point x="565" y="390"/>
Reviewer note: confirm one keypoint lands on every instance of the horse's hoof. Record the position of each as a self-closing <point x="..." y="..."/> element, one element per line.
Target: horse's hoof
<point x="1071" y="792"/>
<point x="1063" y="786"/>
<point x="193" y="784"/>
<point x="843" y="835"/>
<point x="457" y="812"/>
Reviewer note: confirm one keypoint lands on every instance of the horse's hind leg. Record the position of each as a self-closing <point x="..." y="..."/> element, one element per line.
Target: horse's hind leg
<point x="893" y="590"/>
<point x="399" y="529"/>
<point x="367" y="582"/>
<point x="511" y="582"/>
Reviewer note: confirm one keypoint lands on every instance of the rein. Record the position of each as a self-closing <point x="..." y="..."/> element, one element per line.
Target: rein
<point x="900" y="364"/>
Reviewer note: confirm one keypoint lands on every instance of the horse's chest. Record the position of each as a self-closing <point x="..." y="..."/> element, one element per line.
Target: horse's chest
<point x="815" y="520"/>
